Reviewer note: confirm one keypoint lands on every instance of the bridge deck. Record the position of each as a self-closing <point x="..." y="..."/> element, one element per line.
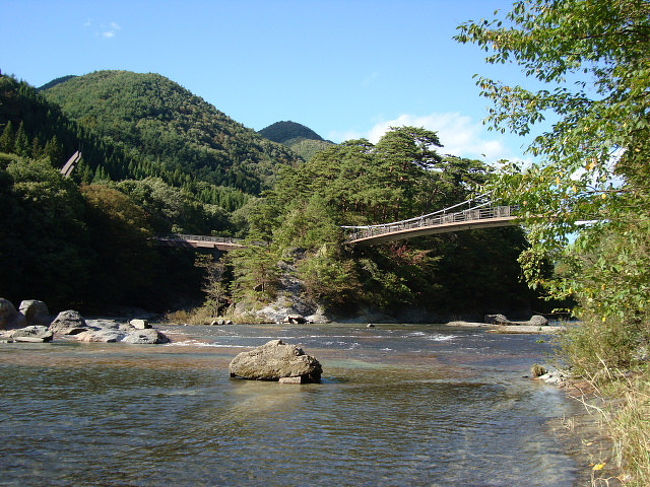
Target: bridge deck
<point x="434" y="223"/>
<point x="202" y="242"/>
<point x="434" y="229"/>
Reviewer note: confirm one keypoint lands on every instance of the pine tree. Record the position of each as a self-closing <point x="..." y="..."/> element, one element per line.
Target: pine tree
<point x="8" y="138"/>
<point x="54" y="150"/>
<point x="100" y="175"/>
<point x="37" y="149"/>
<point x="22" y="146"/>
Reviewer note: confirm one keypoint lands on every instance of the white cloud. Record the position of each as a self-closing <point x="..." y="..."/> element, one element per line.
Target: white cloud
<point x="460" y="135"/>
<point x="109" y="31"/>
<point x="340" y="136"/>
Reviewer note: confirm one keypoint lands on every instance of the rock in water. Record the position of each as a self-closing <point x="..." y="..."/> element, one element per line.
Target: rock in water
<point x="496" y="319"/>
<point x="149" y="336"/>
<point x="275" y="360"/>
<point x="140" y="324"/>
<point x="538" y="320"/>
<point x="100" y="336"/>
<point x="68" y="322"/>
<point x="9" y="317"/>
<point x="35" y="334"/>
<point x="35" y="312"/>
<point x="538" y="370"/>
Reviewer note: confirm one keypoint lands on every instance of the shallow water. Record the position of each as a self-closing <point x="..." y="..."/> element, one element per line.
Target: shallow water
<point x="399" y="405"/>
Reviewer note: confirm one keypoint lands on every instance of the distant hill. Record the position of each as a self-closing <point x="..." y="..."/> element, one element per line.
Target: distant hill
<point x="283" y="131"/>
<point x="159" y="122"/>
<point x="300" y="139"/>
<point x="55" y="82"/>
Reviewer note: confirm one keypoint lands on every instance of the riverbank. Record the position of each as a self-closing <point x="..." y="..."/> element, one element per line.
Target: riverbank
<point x="612" y="434"/>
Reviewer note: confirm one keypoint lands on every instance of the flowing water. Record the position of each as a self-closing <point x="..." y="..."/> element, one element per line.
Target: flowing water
<point x="400" y="405"/>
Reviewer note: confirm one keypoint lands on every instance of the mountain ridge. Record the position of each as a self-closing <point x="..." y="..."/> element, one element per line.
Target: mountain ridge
<point x="158" y="120"/>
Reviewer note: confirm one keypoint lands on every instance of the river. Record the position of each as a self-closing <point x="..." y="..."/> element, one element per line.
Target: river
<point x="399" y="405"/>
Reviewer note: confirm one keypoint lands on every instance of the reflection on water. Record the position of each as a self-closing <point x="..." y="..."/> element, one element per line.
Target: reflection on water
<point x="399" y="405"/>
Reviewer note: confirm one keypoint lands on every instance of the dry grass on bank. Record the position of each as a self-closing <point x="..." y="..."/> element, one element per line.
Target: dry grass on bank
<point x="619" y="435"/>
<point x="628" y="421"/>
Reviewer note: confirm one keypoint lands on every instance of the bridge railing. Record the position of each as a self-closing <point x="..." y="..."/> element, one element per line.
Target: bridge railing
<point x="435" y="219"/>
<point x="181" y="237"/>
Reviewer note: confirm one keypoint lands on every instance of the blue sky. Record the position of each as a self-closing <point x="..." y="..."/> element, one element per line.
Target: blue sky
<point x="346" y="69"/>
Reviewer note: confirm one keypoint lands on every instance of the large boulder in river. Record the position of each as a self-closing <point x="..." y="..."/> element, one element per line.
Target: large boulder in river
<point x="35" y="312"/>
<point x="276" y="360"/>
<point x="9" y="317"/>
<point x="68" y="322"/>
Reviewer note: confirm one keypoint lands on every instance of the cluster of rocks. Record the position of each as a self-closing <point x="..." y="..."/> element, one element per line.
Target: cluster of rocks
<point x="499" y="319"/>
<point x="277" y="361"/>
<point x="221" y="322"/>
<point x="32" y="323"/>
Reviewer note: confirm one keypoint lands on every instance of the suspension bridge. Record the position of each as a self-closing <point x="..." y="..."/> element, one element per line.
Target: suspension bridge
<point x="475" y="213"/>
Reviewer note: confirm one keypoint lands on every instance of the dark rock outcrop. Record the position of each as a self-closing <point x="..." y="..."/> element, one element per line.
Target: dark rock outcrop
<point x="10" y="319"/>
<point x="276" y="360"/>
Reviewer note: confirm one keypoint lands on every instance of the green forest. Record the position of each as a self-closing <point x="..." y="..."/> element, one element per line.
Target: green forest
<point x="158" y="160"/>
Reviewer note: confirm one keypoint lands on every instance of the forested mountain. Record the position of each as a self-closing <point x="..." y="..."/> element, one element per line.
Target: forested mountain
<point x="300" y="139"/>
<point x="157" y="122"/>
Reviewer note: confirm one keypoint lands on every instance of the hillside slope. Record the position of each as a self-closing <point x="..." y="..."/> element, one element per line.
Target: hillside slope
<point x="156" y="119"/>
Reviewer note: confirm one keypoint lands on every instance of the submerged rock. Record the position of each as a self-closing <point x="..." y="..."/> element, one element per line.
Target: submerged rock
<point x="276" y="360"/>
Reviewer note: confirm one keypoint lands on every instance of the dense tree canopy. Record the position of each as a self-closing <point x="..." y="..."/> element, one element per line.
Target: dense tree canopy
<point x="594" y="58"/>
<point x="360" y="183"/>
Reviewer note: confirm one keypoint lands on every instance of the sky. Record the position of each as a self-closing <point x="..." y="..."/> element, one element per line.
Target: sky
<point x="346" y="69"/>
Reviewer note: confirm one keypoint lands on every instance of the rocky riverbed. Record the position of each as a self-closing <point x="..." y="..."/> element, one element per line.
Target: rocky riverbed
<point x="32" y="323"/>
